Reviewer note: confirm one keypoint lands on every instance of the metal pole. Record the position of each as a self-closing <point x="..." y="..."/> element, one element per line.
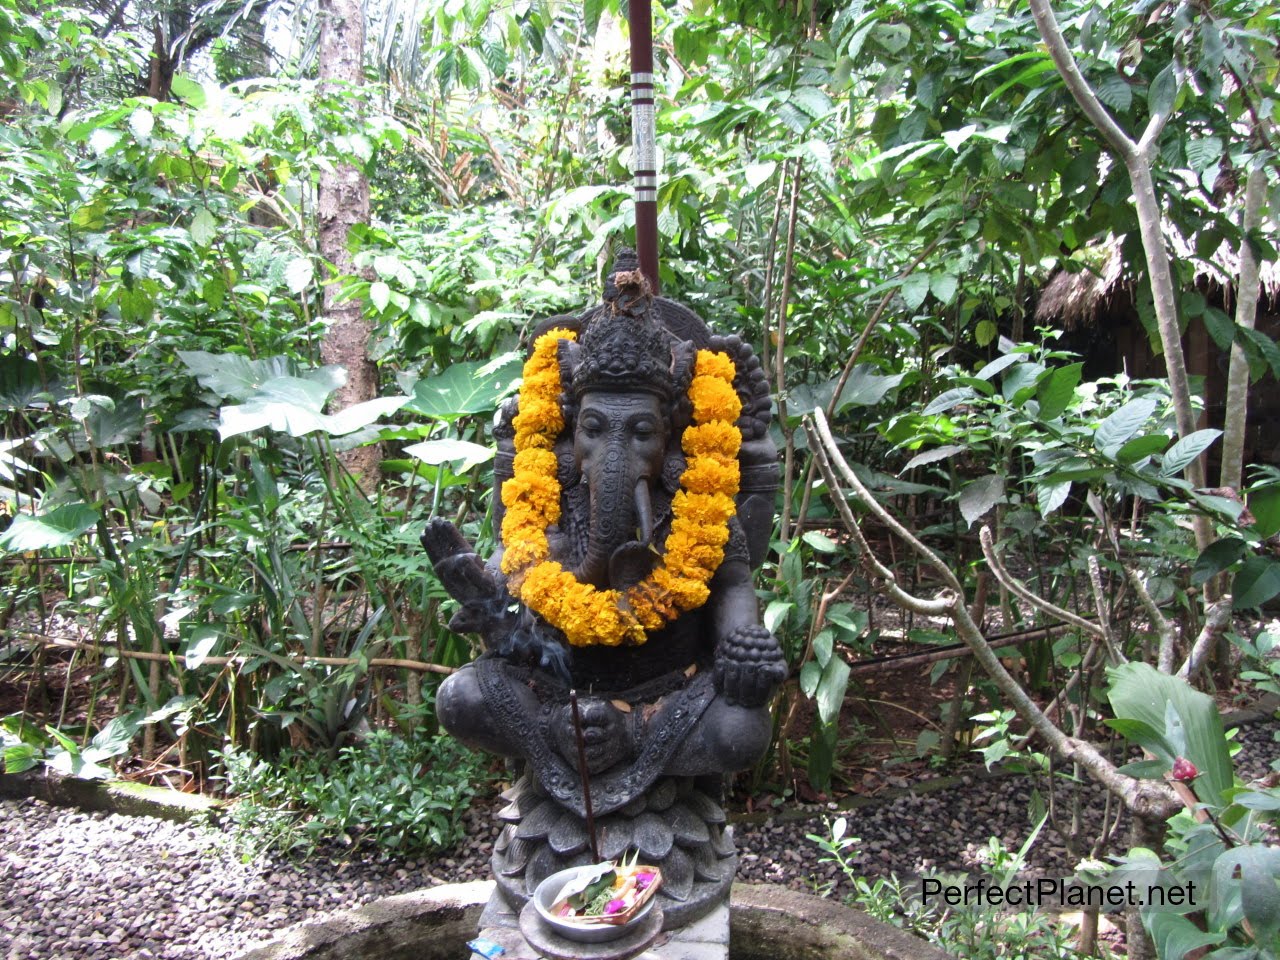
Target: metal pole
<point x="644" y="145"/>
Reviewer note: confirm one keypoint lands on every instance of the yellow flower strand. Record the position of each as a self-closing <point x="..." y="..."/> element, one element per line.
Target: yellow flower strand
<point x="701" y="510"/>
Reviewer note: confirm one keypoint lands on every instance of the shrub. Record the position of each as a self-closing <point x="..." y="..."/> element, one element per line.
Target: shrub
<point x="394" y="792"/>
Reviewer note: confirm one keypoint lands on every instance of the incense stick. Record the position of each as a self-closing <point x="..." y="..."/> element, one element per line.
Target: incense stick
<point x="586" y="777"/>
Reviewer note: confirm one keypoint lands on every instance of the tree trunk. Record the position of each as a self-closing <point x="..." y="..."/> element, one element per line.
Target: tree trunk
<point x="1137" y="158"/>
<point x="1246" y="316"/>
<point x="343" y="200"/>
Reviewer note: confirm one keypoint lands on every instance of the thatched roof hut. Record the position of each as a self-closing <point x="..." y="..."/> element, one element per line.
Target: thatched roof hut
<point x="1096" y="307"/>
<point x="1078" y="300"/>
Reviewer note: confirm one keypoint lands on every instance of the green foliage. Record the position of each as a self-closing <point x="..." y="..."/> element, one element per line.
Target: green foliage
<point x="392" y="792"/>
<point x="971" y="930"/>
<point x="1221" y="845"/>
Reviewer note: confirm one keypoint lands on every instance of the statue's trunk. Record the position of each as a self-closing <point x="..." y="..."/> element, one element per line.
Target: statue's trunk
<point x="612" y="489"/>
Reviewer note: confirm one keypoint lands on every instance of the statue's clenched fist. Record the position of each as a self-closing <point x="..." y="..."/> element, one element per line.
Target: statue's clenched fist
<point x="606" y="734"/>
<point x="749" y="666"/>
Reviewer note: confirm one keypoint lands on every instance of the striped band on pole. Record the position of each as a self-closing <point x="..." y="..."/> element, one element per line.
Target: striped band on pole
<point x="644" y="154"/>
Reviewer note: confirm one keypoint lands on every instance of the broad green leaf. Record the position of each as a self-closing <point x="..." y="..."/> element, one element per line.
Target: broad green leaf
<point x="233" y="376"/>
<point x="21" y="757"/>
<point x="449" y="450"/>
<point x="189" y="90"/>
<point x="943" y="286"/>
<point x="20" y="382"/>
<point x="379" y="295"/>
<point x="757" y="173"/>
<point x="1146" y="769"/>
<point x="985" y="332"/>
<point x="932" y="456"/>
<point x="812" y="101"/>
<point x="292" y="405"/>
<point x="1264" y="344"/>
<point x="1258" y="799"/>
<point x="1057" y="390"/>
<point x="201" y="644"/>
<point x="776" y="614"/>
<point x="1051" y="496"/>
<point x="955" y="139"/>
<point x="204" y="229"/>
<point x="1175" y="936"/>
<point x="142" y="122"/>
<point x="1145" y="736"/>
<point x="462" y="389"/>
<point x="831" y="689"/>
<point x="1264" y="504"/>
<point x="298" y="273"/>
<point x="866" y="387"/>
<point x="998" y="365"/>
<point x="1123" y="424"/>
<point x="1256" y="890"/>
<point x="1163" y="90"/>
<point x="1204" y="152"/>
<point x="1138" y="691"/>
<point x="945" y="401"/>
<point x="914" y="289"/>
<point x="1215" y="558"/>
<point x="1141" y="447"/>
<point x="1186" y="450"/>
<point x="980" y="496"/>
<point x="57" y="528"/>
<point x="1256" y="582"/>
<point x="824" y="644"/>
<point x="810" y="674"/>
<point x="1019" y="384"/>
<point x="820" y="542"/>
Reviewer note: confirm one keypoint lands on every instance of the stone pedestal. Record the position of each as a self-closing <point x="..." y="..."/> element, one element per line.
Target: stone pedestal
<point x="705" y="939"/>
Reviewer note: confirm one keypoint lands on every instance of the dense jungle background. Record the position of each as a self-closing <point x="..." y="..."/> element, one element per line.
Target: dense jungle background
<point x="268" y="267"/>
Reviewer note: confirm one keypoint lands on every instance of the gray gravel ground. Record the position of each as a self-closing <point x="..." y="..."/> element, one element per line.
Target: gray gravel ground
<point x="94" y="886"/>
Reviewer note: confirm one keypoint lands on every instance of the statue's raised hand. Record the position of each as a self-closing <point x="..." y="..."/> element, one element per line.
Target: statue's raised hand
<point x="749" y="666"/>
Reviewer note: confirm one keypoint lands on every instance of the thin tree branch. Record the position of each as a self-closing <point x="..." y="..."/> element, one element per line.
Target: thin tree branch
<point x="1143" y="797"/>
<point x="1108" y="636"/>
<point x="1215" y="622"/>
<point x="1078" y="87"/>
<point x="1164" y="628"/>
<point x="875" y="318"/>
<point x="828" y="443"/>
<point x="1022" y="591"/>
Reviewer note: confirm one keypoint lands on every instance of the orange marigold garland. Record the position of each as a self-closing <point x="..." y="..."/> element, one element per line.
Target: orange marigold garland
<point x="701" y="510"/>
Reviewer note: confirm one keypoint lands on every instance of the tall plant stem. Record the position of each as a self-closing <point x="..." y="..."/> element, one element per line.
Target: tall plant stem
<point x="779" y="376"/>
<point x="875" y="318"/>
<point x="770" y="266"/>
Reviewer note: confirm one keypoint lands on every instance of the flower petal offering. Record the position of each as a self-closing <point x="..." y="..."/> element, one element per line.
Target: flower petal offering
<point x="606" y="893"/>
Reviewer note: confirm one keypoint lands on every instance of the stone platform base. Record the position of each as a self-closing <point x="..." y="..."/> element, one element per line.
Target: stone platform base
<point x="705" y="939"/>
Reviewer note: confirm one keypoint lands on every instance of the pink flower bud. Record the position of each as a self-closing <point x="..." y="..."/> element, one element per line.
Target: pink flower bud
<point x="643" y="880"/>
<point x="615" y="906"/>
<point x="1184" y="771"/>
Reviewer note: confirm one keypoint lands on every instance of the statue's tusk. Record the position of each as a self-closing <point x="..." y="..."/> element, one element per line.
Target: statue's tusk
<point x="644" y="512"/>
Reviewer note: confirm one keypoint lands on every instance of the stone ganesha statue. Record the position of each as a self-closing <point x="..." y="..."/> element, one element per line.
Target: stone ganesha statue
<point x="637" y="481"/>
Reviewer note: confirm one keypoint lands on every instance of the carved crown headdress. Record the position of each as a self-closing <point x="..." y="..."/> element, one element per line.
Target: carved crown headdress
<point x="624" y="347"/>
